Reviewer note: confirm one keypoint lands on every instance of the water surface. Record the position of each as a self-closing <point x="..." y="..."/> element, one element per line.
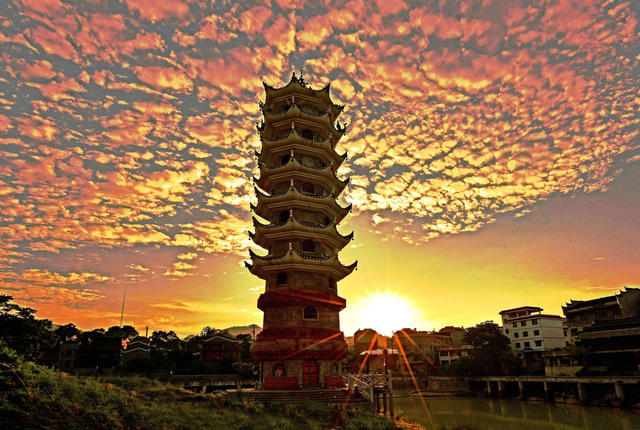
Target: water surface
<point x="461" y="413"/>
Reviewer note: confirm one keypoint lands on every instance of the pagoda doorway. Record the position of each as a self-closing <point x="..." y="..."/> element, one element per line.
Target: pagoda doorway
<point x="310" y="373"/>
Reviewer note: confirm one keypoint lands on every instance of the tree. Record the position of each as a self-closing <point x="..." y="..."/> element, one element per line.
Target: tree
<point x="491" y="353"/>
<point x="21" y="330"/>
<point x="66" y="332"/>
<point x="121" y="332"/>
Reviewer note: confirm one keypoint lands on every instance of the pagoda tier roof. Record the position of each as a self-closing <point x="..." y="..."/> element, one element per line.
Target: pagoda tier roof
<point x="295" y="228"/>
<point x="293" y="141"/>
<point x="268" y="205"/>
<point x="291" y="260"/>
<point x="299" y="86"/>
<point x="294" y="169"/>
<point x="299" y="297"/>
<point x="299" y="117"/>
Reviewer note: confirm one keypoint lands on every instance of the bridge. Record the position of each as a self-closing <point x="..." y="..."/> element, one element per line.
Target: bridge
<point x="376" y="388"/>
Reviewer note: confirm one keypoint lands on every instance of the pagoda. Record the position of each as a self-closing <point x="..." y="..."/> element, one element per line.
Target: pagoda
<point x="301" y="344"/>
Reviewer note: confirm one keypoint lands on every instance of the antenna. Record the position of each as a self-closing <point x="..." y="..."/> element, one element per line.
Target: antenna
<point x="124" y="293"/>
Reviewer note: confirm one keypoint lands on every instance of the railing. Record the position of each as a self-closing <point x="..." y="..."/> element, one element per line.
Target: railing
<point x="310" y="112"/>
<point x="314" y="195"/>
<point x="310" y="225"/>
<point x="367" y="384"/>
<point x="314" y="257"/>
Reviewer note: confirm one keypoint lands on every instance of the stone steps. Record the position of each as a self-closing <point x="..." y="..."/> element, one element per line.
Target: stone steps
<point x="339" y="395"/>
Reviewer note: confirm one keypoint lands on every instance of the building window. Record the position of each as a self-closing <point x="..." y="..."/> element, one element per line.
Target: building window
<point x="536" y="332"/>
<point x="516" y="334"/>
<point x="523" y="323"/>
<point x="332" y="284"/>
<point x="283" y="216"/>
<point x="308" y="246"/>
<point x="534" y="322"/>
<point x="525" y="333"/>
<point x="514" y="324"/>
<point x="518" y="345"/>
<point x="284" y="160"/>
<point x="574" y="332"/>
<point x="538" y="343"/>
<point x="507" y="331"/>
<point x="281" y="278"/>
<point x="279" y="370"/>
<point x="527" y="345"/>
<point x="310" y="313"/>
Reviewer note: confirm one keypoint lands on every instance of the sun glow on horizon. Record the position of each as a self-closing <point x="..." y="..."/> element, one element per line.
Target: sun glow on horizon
<point x="385" y="312"/>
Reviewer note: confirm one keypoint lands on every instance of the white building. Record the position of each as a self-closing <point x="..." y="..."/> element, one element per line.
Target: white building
<point x="530" y="330"/>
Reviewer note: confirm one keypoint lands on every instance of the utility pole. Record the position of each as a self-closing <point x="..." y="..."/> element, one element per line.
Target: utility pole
<point x="124" y="293"/>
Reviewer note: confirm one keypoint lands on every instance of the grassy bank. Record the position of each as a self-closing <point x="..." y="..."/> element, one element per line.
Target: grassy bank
<point x="33" y="396"/>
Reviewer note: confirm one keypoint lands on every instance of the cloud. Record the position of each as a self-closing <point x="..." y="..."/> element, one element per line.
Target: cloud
<point x="132" y="128"/>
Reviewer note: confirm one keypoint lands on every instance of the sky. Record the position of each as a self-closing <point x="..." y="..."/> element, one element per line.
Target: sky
<point x="493" y="150"/>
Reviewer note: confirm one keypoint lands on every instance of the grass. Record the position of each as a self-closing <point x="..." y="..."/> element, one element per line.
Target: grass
<point x="33" y="396"/>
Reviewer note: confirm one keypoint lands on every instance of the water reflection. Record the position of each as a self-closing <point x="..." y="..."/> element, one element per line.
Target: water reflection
<point x="493" y="414"/>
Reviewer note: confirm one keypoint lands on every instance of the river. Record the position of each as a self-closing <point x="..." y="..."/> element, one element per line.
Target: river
<point x="463" y="413"/>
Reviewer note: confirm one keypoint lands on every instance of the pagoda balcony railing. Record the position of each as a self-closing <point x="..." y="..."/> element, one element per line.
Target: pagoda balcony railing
<point x="311" y="225"/>
<point x="317" y="167"/>
<point x="282" y="112"/>
<point x="284" y="163"/>
<point x="313" y="195"/>
<point x="311" y="256"/>
<point x="283" y="192"/>
<point x="285" y="136"/>
<point x="280" y="224"/>
<point x="303" y="108"/>
<point x="306" y="110"/>
<point x="278" y="194"/>
<point x="274" y="257"/>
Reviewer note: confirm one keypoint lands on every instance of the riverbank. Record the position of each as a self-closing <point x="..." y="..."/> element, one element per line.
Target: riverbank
<point x="34" y="396"/>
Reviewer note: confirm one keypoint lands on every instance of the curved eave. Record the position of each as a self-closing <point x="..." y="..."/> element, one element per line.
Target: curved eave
<point x="298" y="85"/>
<point x="292" y="198"/>
<point x="262" y="266"/>
<point x="293" y="113"/>
<point x="295" y="141"/>
<point x="292" y="229"/>
<point x="269" y="175"/>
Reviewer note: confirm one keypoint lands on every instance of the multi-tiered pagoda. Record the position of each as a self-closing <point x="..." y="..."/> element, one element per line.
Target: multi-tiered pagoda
<point x="301" y="344"/>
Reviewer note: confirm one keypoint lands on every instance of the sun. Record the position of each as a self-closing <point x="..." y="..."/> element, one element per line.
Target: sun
<point x="385" y="312"/>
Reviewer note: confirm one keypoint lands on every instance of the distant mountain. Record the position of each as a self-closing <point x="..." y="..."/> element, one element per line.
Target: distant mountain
<point x="243" y="329"/>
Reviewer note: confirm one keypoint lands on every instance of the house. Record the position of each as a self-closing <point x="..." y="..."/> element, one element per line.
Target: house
<point x="138" y="347"/>
<point x="581" y="314"/>
<point x="220" y="347"/>
<point x="528" y="329"/>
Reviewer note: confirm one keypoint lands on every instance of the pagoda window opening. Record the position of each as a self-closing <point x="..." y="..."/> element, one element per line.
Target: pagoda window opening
<point x="307" y="187"/>
<point x="282" y="278"/>
<point x="308" y="246"/>
<point x="307" y="134"/>
<point x="283" y="216"/>
<point x="332" y="284"/>
<point x="285" y="159"/>
<point x="279" y="370"/>
<point x="310" y="313"/>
